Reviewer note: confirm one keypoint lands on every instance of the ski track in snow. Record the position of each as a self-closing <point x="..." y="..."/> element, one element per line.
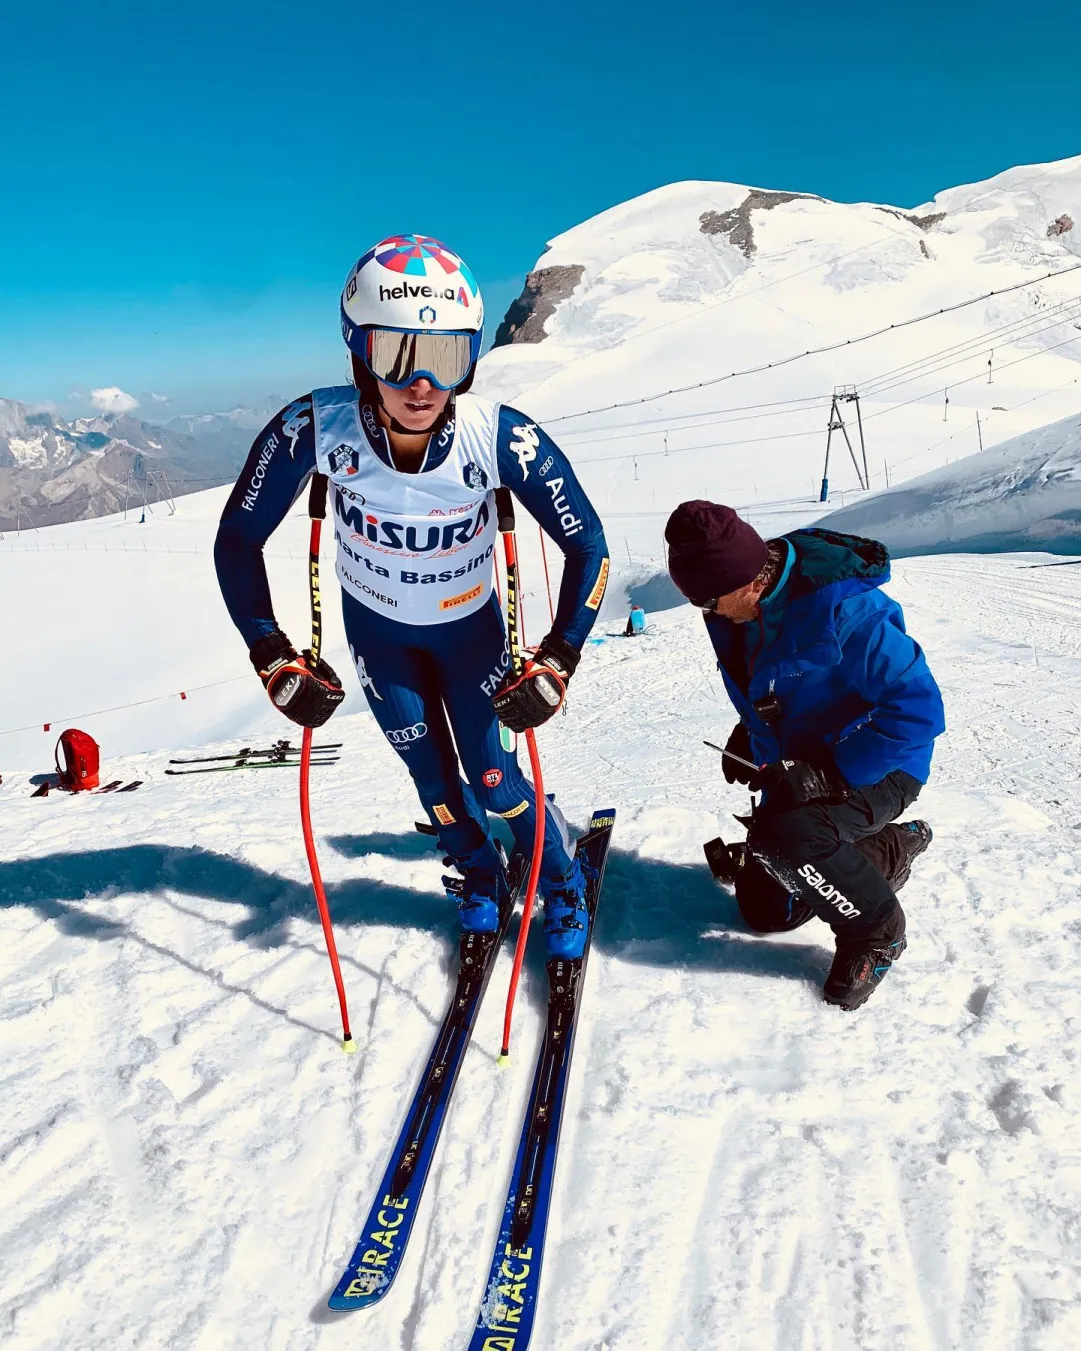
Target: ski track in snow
<point x="186" y="1155"/>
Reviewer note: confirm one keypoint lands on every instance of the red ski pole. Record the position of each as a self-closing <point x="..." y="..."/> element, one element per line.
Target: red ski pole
<point x="506" y="527"/>
<point x="317" y="510"/>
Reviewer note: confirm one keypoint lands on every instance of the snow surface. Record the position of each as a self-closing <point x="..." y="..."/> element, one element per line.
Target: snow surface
<point x="186" y="1155"/>
<point x="1025" y="493"/>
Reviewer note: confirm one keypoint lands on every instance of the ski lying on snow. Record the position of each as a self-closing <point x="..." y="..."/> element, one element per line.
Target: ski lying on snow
<point x="114" y="787"/>
<point x="383" y="1239"/>
<point x="280" y="750"/>
<point x="505" y="1322"/>
<point x="256" y="764"/>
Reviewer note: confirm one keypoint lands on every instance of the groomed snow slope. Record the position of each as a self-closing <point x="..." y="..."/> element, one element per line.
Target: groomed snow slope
<point x="663" y="303"/>
<point x="186" y="1155"/>
<point x="1023" y="494"/>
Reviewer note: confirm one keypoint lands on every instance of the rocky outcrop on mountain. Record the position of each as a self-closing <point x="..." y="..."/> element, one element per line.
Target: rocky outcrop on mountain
<point x="736" y="223"/>
<point x="53" y="471"/>
<point x="543" y="291"/>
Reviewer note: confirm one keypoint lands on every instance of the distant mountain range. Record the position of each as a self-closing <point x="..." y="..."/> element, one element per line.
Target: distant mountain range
<point x="53" y="471"/>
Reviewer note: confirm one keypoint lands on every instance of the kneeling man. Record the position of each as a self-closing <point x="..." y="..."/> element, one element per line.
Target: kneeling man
<point x="838" y="713"/>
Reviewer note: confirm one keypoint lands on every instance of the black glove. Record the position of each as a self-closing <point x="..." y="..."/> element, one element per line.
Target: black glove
<point x="790" y="783"/>
<point x="531" y="698"/>
<point x="739" y="743"/>
<point x="304" y="691"/>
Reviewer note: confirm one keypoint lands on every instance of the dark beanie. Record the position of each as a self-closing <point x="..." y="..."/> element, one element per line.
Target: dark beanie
<point x="711" y="552"/>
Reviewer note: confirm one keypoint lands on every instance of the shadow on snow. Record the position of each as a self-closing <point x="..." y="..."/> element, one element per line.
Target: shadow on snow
<point x="652" y="912"/>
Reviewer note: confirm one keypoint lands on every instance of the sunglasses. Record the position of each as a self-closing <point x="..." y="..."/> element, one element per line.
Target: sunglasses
<point x="706" y="606"/>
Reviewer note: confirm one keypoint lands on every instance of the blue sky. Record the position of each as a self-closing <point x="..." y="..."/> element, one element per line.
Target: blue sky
<point x="186" y="185"/>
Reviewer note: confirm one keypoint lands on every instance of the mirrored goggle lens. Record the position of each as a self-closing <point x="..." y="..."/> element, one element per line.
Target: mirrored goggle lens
<point x="399" y="358"/>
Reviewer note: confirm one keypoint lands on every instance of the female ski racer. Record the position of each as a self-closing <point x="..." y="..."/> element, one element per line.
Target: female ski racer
<point x="413" y="461"/>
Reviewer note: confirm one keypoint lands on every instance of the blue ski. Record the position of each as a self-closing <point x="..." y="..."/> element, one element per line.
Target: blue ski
<point x="383" y="1239"/>
<point x="505" y="1322"/>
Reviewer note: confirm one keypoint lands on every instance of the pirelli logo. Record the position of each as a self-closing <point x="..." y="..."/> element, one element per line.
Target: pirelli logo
<point x="443" y="814"/>
<point x="522" y="806"/>
<point x="454" y="601"/>
<point x="597" y="594"/>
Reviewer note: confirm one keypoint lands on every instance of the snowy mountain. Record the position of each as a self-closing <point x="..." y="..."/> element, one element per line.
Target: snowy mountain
<point x="53" y="471"/>
<point x="1023" y="494"/>
<point x="186" y="1155"/>
<point x="681" y="287"/>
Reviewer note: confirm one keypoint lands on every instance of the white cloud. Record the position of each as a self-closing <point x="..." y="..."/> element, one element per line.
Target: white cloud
<point x="160" y="398"/>
<point x="113" y="400"/>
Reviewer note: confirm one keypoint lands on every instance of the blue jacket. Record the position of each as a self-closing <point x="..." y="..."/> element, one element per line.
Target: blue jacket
<point x="832" y="648"/>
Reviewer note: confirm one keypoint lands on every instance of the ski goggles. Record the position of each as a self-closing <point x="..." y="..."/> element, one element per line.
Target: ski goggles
<point x="398" y="358"/>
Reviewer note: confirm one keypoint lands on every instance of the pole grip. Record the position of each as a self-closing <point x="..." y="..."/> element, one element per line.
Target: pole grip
<point x="317" y="497"/>
<point x="504" y="510"/>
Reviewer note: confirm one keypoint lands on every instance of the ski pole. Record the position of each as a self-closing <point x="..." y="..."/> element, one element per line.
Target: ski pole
<point x="733" y="756"/>
<point x="317" y="510"/>
<point x="505" y="512"/>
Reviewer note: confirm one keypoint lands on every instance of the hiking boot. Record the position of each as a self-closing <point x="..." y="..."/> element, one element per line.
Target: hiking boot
<point x="918" y="836"/>
<point x="857" y="970"/>
<point x="566" y="918"/>
<point x="892" y="849"/>
<point x="915" y="836"/>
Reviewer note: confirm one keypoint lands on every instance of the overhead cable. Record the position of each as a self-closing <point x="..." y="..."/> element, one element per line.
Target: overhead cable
<point x="816" y="351"/>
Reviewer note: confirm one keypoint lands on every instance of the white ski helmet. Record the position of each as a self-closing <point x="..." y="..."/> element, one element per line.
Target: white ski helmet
<point x="411" y="308"/>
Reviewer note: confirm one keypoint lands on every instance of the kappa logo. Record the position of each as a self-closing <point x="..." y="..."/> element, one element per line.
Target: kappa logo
<point x="828" y="891"/>
<point x="366" y="682"/>
<point x="525" y="445"/>
<point x="404" y="736"/>
<point x="294" y="419"/>
<point x="493" y="777"/>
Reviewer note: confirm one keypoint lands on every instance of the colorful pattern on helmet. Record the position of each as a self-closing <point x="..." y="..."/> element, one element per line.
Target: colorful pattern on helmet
<point x="409" y="254"/>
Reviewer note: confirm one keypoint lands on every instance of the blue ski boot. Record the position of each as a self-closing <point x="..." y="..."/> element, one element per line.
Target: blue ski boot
<point x="566" y="919"/>
<point x="480" y="898"/>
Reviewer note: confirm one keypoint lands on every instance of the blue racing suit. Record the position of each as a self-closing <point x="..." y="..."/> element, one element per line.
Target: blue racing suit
<point x="429" y="682"/>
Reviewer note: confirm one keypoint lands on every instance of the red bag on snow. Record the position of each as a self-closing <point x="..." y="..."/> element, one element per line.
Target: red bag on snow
<point x="79" y="771"/>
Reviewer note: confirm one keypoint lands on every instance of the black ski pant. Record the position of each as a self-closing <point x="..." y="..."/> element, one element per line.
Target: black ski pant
<point x="833" y="860"/>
